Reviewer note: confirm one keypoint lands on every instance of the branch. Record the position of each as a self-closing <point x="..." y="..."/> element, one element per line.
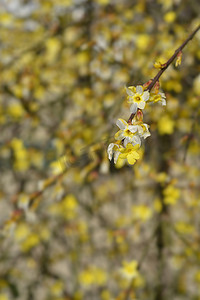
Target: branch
<point x="166" y="65"/>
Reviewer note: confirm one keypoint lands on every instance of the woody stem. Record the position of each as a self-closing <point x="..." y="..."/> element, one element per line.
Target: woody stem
<point x="166" y="65"/>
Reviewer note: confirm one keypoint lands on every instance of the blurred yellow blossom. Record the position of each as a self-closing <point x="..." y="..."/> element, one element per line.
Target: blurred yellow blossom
<point x="197" y="276"/>
<point x="129" y="269"/>
<point x="4" y="296"/>
<point x="105" y="295"/>
<point x="157" y="205"/>
<point x="165" y="125"/>
<point x="15" y="110"/>
<point x="141" y="212"/>
<point x="21" y="158"/>
<point x="22" y="231"/>
<point x="161" y="177"/>
<point x="184" y="228"/>
<point x="67" y="207"/>
<point x="170" y="17"/>
<point x="171" y="195"/>
<point x="31" y="241"/>
<point x="57" y="288"/>
<point x="92" y="275"/>
<point x="53" y="46"/>
<point x="142" y="41"/>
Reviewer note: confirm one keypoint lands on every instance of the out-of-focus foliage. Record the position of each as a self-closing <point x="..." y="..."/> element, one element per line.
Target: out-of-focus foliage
<point x="97" y="231"/>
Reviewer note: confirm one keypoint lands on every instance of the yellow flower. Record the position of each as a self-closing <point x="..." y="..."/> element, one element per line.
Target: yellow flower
<point x="30" y="242"/>
<point x="93" y="275"/>
<point x="170" y="17"/>
<point x="171" y="195"/>
<point x="128" y="133"/>
<point x="157" y="65"/>
<point x="141" y="212"/>
<point x="22" y="231"/>
<point x="4" y="297"/>
<point x="161" y="177"/>
<point x="184" y="228"/>
<point x="165" y="125"/>
<point x="138" y="97"/>
<point x="58" y="166"/>
<point x="130" y="153"/>
<point x="21" y="159"/>
<point x="15" y="110"/>
<point x="197" y="276"/>
<point x="69" y="206"/>
<point x="57" y="288"/>
<point x="129" y="269"/>
<point x="86" y="278"/>
<point x="158" y="97"/>
<point x="105" y="295"/>
<point x="157" y="205"/>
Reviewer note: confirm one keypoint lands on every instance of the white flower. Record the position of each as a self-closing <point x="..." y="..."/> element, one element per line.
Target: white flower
<point x="158" y="97"/>
<point x="163" y="98"/>
<point x="137" y="97"/>
<point x="113" y="149"/>
<point x="133" y="108"/>
<point x="143" y="130"/>
<point x="127" y="133"/>
<point x="129" y="269"/>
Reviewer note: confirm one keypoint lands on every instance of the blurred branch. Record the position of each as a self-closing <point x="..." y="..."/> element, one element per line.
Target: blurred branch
<point x="164" y="146"/>
<point x="23" y="102"/>
<point x="17" y="214"/>
<point x="35" y="47"/>
<point x="190" y="136"/>
<point x="186" y="243"/>
<point x="140" y="263"/>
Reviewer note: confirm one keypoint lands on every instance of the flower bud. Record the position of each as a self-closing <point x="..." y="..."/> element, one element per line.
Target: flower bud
<point x="139" y="115"/>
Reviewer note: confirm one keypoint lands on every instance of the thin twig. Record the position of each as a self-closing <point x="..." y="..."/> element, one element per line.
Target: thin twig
<point x="190" y="137"/>
<point x="166" y="65"/>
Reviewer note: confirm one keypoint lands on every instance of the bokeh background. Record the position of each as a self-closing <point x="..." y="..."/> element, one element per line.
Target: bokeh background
<point x="73" y="225"/>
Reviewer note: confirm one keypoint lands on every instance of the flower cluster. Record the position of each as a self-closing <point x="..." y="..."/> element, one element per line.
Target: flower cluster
<point x="128" y="138"/>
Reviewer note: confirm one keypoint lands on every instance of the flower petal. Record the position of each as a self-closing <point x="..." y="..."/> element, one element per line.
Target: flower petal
<point x="116" y="155"/>
<point x="145" y="96"/>
<point x="129" y="92"/>
<point x="127" y="140"/>
<point x="146" y="134"/>
<point x="139" y="89"/>
<point x="136" y="140"/>
<point x="135" y="154"/>
<point x="136" y="147"/>
<point x="129" y="146"/>
<point x="133" y="128"/>
<point x="122" y="124"/>
<point x="133" y="108"/>
<point x="122" y="155"/>
<point x="130" y="158"/>
<point x="110" y="151"/>
<point x="141" y="105"/>
<point x="119" y="135"/>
